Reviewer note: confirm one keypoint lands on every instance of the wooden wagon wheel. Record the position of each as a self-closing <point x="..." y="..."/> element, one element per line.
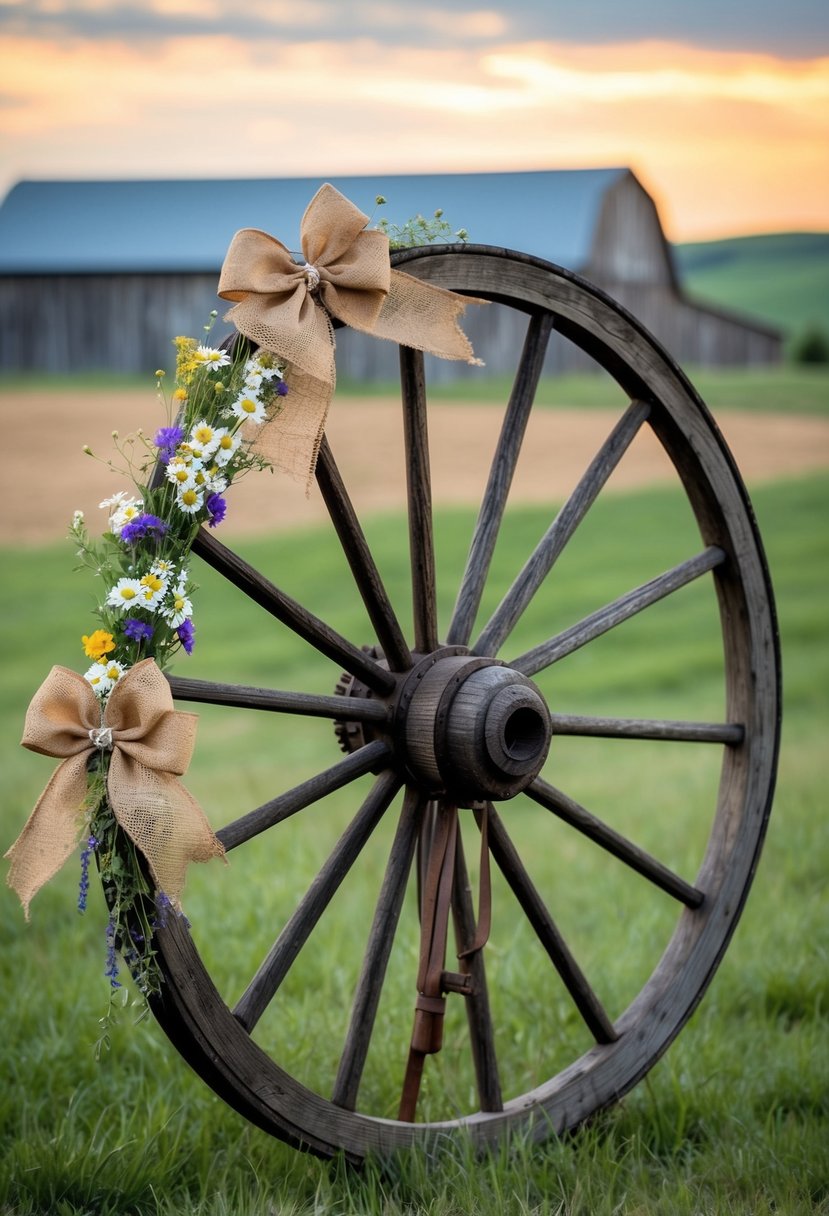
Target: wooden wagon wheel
<point x="451" y="730"/>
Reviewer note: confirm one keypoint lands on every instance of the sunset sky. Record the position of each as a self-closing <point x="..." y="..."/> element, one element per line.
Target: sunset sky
<point x="721" y="108"/>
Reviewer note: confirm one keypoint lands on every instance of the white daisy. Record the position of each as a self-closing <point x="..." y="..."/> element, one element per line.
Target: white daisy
<point x="163" y="569"/>
<point x="182" y="472"/>
<point x="178" y="610"/>
<point x="210" y="357"/>
<point x="214" y="482"/>
<point x="210" y="481"/>
<point x="249" y="408"/>
<point x="103" y="676"/>
<point x="114" y="670"/>
<point x="204" y="437"/>
<point x="226" y="446"/>
<point x="193" y="451"/>
<point x="125" y="593"/>
<point x="116" y="499"/>
<point x="190" y="500"/>
<point x="153" y="587"/>
<point x="125" y="514"/>
<point x="97" y="677"/>
<point x="271" y="373"/>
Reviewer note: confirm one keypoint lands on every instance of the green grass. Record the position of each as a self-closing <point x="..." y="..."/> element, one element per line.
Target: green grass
<point x="785" y="389"/>
<point x="734" y="1120"/>
<point x="782" y="278"/>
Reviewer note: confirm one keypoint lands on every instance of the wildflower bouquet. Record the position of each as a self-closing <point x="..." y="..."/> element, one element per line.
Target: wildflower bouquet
<point x="143" y="556"/>
<point x="145" y="612"/>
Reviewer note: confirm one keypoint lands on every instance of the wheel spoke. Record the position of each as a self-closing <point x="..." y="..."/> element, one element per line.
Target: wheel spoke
<point x="591" y="827"/>
<point x="419" y="485"/>
<point x="366" y="575"/>
<point x="500" y="478"/>
<point x="619" y="610"/>
<point x="549" y="548"/>
<point x="381" y="938"/>
<point x="731" y="733"/>
<point x="372" y="756"/>
<point x="537" y="914"/>
<point x="479" y="1017"/>
<point x="241" y="696"/>
<point x="287" y="946"/>
<point x="292" y="614"/>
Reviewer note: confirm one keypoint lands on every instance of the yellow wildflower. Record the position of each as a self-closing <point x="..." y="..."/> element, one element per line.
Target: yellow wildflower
<point x="98" y="644"/>
<point x="187" y="359"/>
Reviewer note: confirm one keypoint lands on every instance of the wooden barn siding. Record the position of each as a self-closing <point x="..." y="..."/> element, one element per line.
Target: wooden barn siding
<point x="694" y="334"/>
<point x="126" y="323"/>
<point x="121" y="323"/>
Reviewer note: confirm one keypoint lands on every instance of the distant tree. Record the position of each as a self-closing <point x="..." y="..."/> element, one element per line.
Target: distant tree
<point x="811" y="347"/>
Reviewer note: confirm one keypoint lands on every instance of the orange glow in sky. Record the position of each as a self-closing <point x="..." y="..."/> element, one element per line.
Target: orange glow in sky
<point x="728" y="142"/>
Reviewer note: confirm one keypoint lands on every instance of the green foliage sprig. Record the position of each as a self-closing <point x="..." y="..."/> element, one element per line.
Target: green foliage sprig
<point x="420" y="230"/>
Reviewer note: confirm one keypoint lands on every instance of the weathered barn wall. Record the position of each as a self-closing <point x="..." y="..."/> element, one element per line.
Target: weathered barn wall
<point x="693" y="333"/>
<point x="123" y="323"/>
<point x="126" y="323"/>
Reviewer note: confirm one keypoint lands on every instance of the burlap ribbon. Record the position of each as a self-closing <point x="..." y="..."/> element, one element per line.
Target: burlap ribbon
<point x="151" y="746"/>
<point x="287" y="308"/>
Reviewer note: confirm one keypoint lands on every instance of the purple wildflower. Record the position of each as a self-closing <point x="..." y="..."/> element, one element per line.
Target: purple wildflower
<point x="137" y="631"/>
<point x="112" y="959"/>
<point x="143" y="526"/>
<point x="83" y="887"/>
<point x="281" y="389"/>
<point x="163" y="907"/>
<point x="216" y="508"/>
<point x="187" y="635"/>
<point x="167" y="440"/>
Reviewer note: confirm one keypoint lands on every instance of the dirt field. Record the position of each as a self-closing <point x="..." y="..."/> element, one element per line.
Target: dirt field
<point x="48" y="476"/>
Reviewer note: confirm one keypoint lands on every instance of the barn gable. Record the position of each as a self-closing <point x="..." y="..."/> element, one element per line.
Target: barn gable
<point x="102" y="274"/>
<point x="628" y="244"/>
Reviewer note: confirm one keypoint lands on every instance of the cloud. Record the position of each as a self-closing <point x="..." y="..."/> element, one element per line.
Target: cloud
<point x="795" y="29"/>
<point x="729" y="141"/>
<point x="798" y="28"/>
<point x="393" y="23"/>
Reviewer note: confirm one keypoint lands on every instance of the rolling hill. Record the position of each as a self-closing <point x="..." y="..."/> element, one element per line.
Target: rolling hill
<point x="782" y="278"/>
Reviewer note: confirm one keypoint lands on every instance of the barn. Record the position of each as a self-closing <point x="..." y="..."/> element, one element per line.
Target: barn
<point x="101" y="274"/>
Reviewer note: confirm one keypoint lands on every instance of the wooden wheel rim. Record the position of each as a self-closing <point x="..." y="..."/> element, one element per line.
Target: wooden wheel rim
<point x="193" y="1013"/>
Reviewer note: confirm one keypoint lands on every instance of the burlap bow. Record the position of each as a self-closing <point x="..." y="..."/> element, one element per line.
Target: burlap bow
<point x="286" y="308"/>
<point x="151" y="746"/>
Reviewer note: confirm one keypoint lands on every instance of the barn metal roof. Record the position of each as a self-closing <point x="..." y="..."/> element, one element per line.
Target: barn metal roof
<point x="94" y="227"/>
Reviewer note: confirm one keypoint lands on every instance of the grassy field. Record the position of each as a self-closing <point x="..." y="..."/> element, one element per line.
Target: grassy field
<point x="784" y="389"/>
<point x="735" y="1118"/>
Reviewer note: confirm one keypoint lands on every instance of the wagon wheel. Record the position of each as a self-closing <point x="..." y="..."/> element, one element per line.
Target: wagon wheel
<point x="454" y="725"/>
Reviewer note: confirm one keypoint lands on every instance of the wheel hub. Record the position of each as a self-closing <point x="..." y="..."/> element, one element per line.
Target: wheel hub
<point x="474" y="728"/>
<point x="467" y="727"/>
